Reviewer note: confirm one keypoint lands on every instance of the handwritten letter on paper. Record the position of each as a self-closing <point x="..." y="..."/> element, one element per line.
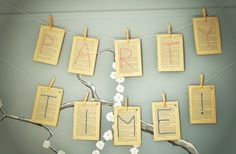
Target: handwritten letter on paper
<point x="48" y="47"/>
<point x="170" y="52"/>
<point x="128" y="58"/>
<point x="202" y="104"/>
<point x="87" y="120"/>
<point x="127" y="126"/>
<point x="47" y="105"/>
<point x="166" y="123"/>
<point x="207" y="35"/>
<point x="83" y="56"/>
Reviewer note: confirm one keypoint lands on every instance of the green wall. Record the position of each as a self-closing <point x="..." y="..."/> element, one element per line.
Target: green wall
<point x="108" y="19"/>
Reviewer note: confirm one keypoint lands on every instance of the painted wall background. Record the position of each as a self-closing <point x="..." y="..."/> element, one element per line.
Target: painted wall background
<point x="107" y="20"/>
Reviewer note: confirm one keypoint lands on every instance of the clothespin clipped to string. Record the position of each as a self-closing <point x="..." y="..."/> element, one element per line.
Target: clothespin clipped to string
<point x="51" y="82"/>
<point x="50" y="21"/>
<point x="169" y="30"/>
<point x="204" y="14"/>
<point x="85" y="33"/>
<point x="164" y="99"/>
<point x="201" y="80"/>
<point x="126" y="103"/>
<point x="86" y="98"/>
<point x="127" y="35"/>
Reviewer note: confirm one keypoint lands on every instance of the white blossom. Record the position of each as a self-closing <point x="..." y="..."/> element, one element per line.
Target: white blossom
<point x="118" y="97"/>
<point x="120" y="88"/>
<point x="117" y="104"/>
<point x="108" y="135"/>
<point x="61" y="152"/>
<point x="46" y="144"/>
<point x="112" y="126"/>
<point x="114" y="65"/>
<point x="113" y="75"/>
<point x="120" y="79"/>
<point x="134" y="151"/>
<point x="136" y="146"/>
<point x="110" y="117"/>
<point x="100" y="145"/>
<point x="95" y="152"/>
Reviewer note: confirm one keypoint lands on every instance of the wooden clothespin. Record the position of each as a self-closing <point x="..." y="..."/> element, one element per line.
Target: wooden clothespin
<point x="164" y="99"/>
<point x="204" y="14"/>
<point x="50" y="22"/>
<point x="126" y="103"/>
<point x="169" y="30"/>
<point x="85" y="32"/>
<point x="127" y="35"/>
<point x="52" y="82"/>
<point x="201" y="80"/>
<point x="86" y="98"/>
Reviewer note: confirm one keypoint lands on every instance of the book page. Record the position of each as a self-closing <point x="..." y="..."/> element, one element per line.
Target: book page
<point x="49" y="43"/>
<point x="87" y="120"/>
<point x="127" y="126"/>
<point x="207" y="35"/>
<point x="47" y="105"/>
<point x="83" y="56"/>
<point x="202" y="104"/>
<point x="170" y="52"/>
<point x="166" y="123"/>
<point x="128" y="58"/>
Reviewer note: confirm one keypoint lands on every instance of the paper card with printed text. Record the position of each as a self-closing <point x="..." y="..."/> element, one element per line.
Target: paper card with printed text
<point x="207" y="35"/>
<point x="48" y="46"/>
<point x="170" y="52"/>
<point x="83" y="55"/>
<point x="202" y="104"/>
<point x="127" y="126"/>
<point x="166" y="121"/>
<point x="128" y="58"/>
<point x="47" y="105"/>
<point x="86" y="125"/>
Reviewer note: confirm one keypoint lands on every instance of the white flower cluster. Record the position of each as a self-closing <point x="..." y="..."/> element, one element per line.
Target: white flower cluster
<point x="108" y="135"/>
<point x="118" y="98"/>
<point x="134" y="150"/>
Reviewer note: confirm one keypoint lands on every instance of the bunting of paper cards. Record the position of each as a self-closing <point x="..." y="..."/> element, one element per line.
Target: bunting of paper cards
<point x="166" y="120"/>
<point x="170" y="51"/>
<point x="128" y="57"/>
<point x="207" y="34"/>
<point x="202" y="103"/>
<point x="83" y="55"/>
<point x="47" y="105"/>
<point x="49" y="43"/>
<point x="86" y="125"/>
<point x="127" y="125"/>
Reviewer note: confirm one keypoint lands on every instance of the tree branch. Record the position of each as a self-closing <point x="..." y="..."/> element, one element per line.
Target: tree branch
<point x="146" y="127"/>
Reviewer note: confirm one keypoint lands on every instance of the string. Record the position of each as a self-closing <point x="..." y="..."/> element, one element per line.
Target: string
<point x="109" y="37"/>
<point x="30" y="76"/>
<point x="210" y="78"/>
<point x="179" y="29"/>
<point x="152" y="35"/>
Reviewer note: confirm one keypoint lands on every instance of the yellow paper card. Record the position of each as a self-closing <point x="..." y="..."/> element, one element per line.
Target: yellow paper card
<point x="47" y="105"/>
<point x="127" y="126"/>
<point x="170" y="53"/>
<point x="128" y="58"/>
<point x="202" y="104"/>
<point x="207" y="35"/>
<point x="166" y="121"/>
<point x="49" y="43"/>
<point x="87" y="121"/>
<point x="83" y="56"/>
